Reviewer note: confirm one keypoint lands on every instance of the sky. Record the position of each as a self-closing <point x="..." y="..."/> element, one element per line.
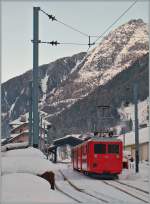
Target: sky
<point x="91" y="17"/>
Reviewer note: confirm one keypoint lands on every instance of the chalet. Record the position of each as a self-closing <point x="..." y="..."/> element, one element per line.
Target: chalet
<point x="20" y="132"/>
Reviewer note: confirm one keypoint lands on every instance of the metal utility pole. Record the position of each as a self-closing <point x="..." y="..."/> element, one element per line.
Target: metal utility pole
<point x="30" y="114"/>
<point x="41" y="131"/>
<point x="136" y="128"/>
<point x="35" y="76"/>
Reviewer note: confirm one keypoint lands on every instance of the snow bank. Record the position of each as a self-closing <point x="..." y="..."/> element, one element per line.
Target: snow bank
<point x="31" y="165"/>
<point x="27" y="188"/>
<point x="28" y="160"/>
<point x="28" y="152"/>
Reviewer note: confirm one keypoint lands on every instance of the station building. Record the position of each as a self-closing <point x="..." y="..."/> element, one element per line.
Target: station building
<point x="129" y="140"/>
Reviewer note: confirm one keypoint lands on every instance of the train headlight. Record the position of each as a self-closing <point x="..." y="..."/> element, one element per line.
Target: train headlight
<point x="94" y="165"/>
<point x="117" y="156"/>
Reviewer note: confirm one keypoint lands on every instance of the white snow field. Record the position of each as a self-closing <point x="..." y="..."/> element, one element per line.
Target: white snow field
<point x="28" y="188"/>
<point x="21" y="185"/>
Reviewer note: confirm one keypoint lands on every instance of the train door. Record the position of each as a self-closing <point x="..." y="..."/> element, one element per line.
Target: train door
<point x="79" y="158"/>
<point x="75" y="158"/>
<point x="114" y="160"/>
<point x="99" y="157"/>
<point x="72" y="157"/>
<point x="84" y="157"/>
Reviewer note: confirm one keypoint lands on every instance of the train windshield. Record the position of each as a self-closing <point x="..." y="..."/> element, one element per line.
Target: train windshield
<point x="113" y="148"/>
<point x="99" y="148"/>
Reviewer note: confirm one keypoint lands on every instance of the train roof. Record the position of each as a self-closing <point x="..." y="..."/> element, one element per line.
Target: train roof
<point x="104" y="139"/>
<point x="100" y="139"/>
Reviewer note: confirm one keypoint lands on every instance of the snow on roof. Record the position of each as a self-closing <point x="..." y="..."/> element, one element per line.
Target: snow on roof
<point x="14" y="135"/>
<point x="17" y="122"/>
<point x="32" y="165"/>
<point x="27" y="188"/>
<point x="27" y="152"/>
<point x="14" y="145"/>
<point x="29" y="160"/>
<point x="19" y="125"/>
<point x="72" y="135"/>
<point x="130" y="137"/>
<point x="3" y="139"/>
<point x="18" y="134"/>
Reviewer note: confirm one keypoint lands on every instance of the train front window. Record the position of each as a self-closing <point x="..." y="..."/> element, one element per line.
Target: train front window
<point x="113" y="148"/>
<point x="99" y="148"/>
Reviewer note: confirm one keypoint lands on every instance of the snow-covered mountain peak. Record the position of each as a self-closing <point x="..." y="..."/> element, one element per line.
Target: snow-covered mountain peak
<point x="116" y="52"/>
<point x="119" y="48"/>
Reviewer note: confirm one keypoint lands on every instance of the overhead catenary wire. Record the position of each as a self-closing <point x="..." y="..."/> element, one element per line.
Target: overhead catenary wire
<point x="61" y="43"/>
<point x="65" y="24"/>
<point x="69" y="26"/>
<point x="101" y="35"/>
<point x="53" y="18"/>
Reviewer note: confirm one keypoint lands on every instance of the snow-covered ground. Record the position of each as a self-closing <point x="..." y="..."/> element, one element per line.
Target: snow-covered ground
<point x="27" y="188"/>
<point x="21" y="185"/>
<point x="98" y="188"/>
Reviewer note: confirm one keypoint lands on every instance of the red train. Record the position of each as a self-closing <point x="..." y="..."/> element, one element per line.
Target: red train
<point x="99" y="156"/>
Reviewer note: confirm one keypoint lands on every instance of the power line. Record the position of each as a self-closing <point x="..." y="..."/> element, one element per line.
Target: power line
<point x="53" y="18"/>
<point x="59" y="43"/>
<point x="73" y="44"/>
<point x="68" y="26"/>
<point x="85" y="34"/>
<point x="65" y="24"/>
<point x="49" y="15"/>
<point x="101" y="35"/>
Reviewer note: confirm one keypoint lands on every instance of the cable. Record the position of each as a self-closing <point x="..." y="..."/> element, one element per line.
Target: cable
<point x="49" y="16"/>
<point x="60" y="43"/>
<point x="73" y="44"/>
<point x="101" y="35"/>
<point x="98" y="36"/>
<point x="69" y="26"/>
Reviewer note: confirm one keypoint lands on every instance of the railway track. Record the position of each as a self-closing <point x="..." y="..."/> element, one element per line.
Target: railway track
<point x="67" y="194"/>
<point x="131" y="186"/>
<point x="83" y="191"/>
<point x="133" y="192"/>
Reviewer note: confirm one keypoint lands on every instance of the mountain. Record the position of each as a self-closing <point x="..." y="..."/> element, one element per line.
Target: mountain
<point x="15" y="92"/>
<point x="72" y="88"/>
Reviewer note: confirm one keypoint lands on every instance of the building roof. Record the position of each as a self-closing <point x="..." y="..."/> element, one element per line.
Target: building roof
<point x="14" y="136"/>
<point x="19" y="126"/>
<point x="67" y="136"/>
<point x="67" y="140"/>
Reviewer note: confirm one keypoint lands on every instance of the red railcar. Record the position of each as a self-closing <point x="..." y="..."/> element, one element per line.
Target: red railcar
<point x="99" y="155"/>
